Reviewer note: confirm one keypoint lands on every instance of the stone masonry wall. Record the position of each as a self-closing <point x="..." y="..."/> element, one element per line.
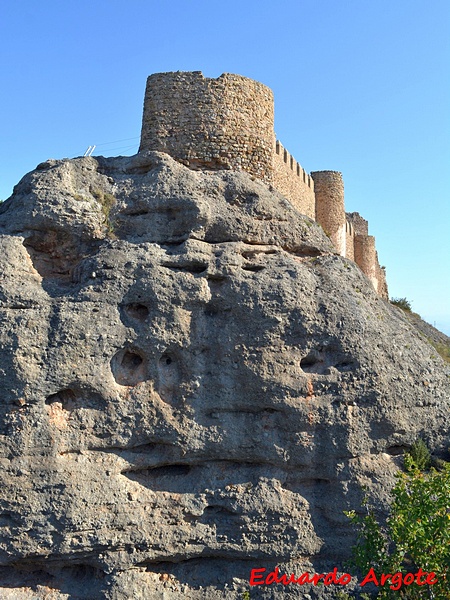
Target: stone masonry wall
<point x="291" y="180"/>
<point x="330" y="210"/>
<point x="223" y="123"/>
<point x="365" y="254"/>
<point x="349" y="241"/>
<point x="360" y="225"/>
<point x="366" y="257"/>
<point x="228" y="123"/>
<point x="380" y="274"/>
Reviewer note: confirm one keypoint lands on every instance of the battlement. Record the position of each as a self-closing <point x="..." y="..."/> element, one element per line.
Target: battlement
<point x="228" y="123"/>
<point x="293" y="165"/>
<point x="291" y="180"/>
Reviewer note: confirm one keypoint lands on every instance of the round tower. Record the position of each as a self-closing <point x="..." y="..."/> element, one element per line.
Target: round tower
<point x="330" y="209"/>
<point x="366" y="257"/>
<point x="223" y="123"/>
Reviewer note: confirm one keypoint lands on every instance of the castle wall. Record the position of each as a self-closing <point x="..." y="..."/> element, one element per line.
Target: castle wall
<point x="228" y="123"/>
<point x="330" y="210"/>
<point x="223" y="123"/>
<point x="366" y="257"/>
<point x="291" y="180"/>
<point x="382" y="287"/>
<point x="349" y="241"/>
<point x="360" y="225"/>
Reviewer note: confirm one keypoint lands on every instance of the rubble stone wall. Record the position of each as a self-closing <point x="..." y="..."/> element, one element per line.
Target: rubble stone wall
<point x="291" y="180"/>
<point x="205" y="123"/>
<point x="330" y="210"/>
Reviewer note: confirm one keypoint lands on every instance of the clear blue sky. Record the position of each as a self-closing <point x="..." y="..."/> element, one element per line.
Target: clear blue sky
<point x="361" y="86"/>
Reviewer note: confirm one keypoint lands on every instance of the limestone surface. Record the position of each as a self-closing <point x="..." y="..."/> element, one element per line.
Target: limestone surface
<point x="193" y="385"/>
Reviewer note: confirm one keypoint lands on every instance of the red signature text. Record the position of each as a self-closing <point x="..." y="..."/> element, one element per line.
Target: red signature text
<point x="257" y="578"/>
<point x="398" y="579"/>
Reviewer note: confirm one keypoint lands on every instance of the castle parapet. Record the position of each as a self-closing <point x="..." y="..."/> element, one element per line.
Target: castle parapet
<point x="291" y="180"/>
<point x="209" y="124"/>
<point x="360" y="225"/>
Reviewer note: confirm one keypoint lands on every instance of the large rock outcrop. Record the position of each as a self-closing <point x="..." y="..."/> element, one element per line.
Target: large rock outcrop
<point x="193" y="384"/>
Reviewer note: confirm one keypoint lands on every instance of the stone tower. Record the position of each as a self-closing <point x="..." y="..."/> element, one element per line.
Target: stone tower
<point x="223" y="123"/>
<point x="330" y="209"/>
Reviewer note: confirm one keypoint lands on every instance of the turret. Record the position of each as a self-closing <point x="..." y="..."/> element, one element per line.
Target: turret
<point x="330" y="210"/>
<point x="209" y="124"/>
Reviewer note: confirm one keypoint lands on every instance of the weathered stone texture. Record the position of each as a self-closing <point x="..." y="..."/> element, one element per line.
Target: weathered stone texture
<point x="366" y="257"/>
<point x="193" y="384"/>
<point x="382" y="288"/>
<point x="330" y="209"/>
<point x="360" y="225"/>
<point x="223" y="123"/>
<point x="349" y="241"/>
<point x="290" y="179"/>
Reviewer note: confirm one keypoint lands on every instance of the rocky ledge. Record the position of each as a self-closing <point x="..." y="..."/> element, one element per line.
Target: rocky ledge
<point x="194" y="385"/>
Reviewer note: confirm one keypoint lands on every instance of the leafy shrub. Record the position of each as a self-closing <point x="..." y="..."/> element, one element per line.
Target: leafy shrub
<point x="417" y="534"/>
<point x="106" y="202"/>
<point x="443" y="349"/>
<point x="420" y="455"/>
<point x="402" y="303"/>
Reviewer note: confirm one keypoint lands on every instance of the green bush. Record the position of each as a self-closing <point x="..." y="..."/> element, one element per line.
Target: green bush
<point x="106" y="202"/>
<point x="402" y="303"/>
<point x="420" y="455"/>
<point x="416" y="535"/>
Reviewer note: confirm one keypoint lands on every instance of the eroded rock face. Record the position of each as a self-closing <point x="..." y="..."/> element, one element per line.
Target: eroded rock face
<point x="193" y="385"/>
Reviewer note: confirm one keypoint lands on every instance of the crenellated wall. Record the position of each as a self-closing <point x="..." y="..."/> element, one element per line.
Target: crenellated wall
<point x="228" y="123"/>
<point x="291" y="180"/>
<point x="365" y="254"/>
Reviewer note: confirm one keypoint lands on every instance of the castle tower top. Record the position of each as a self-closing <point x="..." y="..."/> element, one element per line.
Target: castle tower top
<point x="205" y="123"/>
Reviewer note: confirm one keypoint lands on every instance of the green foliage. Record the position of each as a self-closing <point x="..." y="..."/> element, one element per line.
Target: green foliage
<point x="345" y="596"/>
<point x="80" y="198"/>
<point x="417" y="534"/>
<point x="443" y="350"/>
<point x="420" y="456"/>
<point x="106" y="201"/>
<point x="402" y="303"/>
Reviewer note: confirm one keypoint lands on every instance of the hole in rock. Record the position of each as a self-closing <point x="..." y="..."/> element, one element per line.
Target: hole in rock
<point x="128" y="367"/>
<point x="311" y="363"/>
<point x="71" y="399"/>
<point x="168" y="377"/>
<point x="194" y="267"/>
<point x="159" y="477"/>
<point x="211" y="311"/>
<point x="65" y="397"/>
<point x="176" y="478"/>
<point x="345" y="365"/>
<point x="254" y="268"/>
<point x="137" y="311"/>
<point x="131" y="361"/>
<point x="166" y="360"/>
<point x="138" y="212"/>
<point x="55" y="255"/>
<point x="170" y="471"/>
<point x="396" y="450"/>
<point x="217" y="510"/>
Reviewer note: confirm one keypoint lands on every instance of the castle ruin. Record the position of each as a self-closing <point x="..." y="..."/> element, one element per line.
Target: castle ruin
<point x="228" y="123"/>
